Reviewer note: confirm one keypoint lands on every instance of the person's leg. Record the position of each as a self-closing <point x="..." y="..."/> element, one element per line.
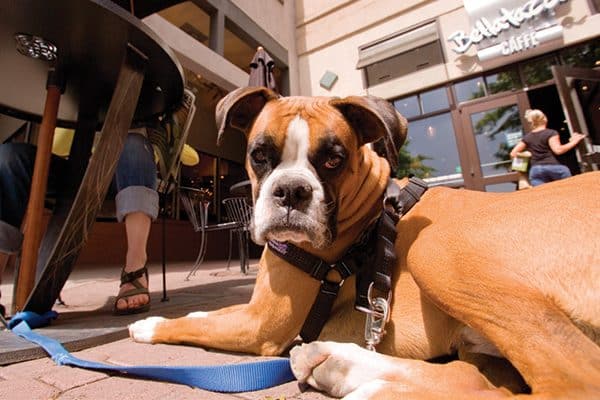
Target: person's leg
<point x="16" y="168"/>
<point x="137" y="206"/>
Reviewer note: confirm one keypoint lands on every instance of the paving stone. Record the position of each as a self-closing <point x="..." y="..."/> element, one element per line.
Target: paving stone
<point x="126" y="388"/>
<point x="26" y="389"/>
<point x="26" y="370"/>
<point x="65" y="378"/>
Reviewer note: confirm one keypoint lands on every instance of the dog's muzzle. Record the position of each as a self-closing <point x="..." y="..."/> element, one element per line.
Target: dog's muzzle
<point x="291" y="210"/>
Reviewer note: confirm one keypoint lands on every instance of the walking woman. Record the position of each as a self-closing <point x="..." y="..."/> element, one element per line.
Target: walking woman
<point x="544" y="145"/>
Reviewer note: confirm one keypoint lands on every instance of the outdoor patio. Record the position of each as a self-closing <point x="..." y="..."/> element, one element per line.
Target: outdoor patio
<point x="86" y="322"/>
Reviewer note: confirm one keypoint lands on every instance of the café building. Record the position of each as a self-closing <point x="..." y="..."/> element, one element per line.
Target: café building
<point x="463" y="73"/>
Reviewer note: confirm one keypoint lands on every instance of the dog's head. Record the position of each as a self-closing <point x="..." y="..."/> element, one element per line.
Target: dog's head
<point x="301" y="151"/>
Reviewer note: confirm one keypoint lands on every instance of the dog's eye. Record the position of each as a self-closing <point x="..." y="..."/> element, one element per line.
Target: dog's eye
<point x="333" y="162"/>
<point x="259" y="156"/>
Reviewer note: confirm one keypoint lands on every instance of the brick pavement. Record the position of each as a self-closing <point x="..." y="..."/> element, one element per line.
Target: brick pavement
<point x="90" y="291"/>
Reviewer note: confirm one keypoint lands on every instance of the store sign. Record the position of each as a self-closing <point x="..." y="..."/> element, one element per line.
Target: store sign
<point x="505" y="27"/>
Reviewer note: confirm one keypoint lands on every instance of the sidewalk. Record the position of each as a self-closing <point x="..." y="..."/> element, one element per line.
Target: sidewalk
<point x="89" y="295"/>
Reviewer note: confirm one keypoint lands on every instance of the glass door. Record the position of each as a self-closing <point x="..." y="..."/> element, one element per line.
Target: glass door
<point x="579" y="92"/>
<point x="491" y="128"/>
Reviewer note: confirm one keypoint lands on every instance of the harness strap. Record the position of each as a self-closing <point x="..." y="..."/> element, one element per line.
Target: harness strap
<point x="397" y="202"/>
<point x="403" y="199"/>
<point x="383" y="261"/>
<point x="375" y="247"/>
<point x="312" y="265"/>
<point x="319" y="270"/>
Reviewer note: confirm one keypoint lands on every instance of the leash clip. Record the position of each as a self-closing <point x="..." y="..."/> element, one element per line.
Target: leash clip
<point x="377" y="316"/>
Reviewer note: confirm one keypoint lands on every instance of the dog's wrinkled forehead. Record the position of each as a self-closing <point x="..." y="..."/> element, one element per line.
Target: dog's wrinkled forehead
<point x="258" y="111"/>
<point x="301" y="121"/>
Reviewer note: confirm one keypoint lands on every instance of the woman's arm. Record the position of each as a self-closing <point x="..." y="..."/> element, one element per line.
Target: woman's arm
<point x="519" y="147"/>
<point x="558" y="148"/>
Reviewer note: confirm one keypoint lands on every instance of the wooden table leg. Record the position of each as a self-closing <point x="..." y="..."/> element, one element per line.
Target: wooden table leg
<point x="35" y="207"/>
<point x="55" y="266"/>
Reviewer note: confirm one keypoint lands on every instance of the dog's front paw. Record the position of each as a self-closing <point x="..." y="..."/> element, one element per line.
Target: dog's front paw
<point x="143" y="330"/>
<point x="328" y="366"/>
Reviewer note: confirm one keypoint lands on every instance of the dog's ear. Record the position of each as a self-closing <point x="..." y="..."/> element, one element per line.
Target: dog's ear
<point x="376" y="121"/>
<point x="239" y="108"/>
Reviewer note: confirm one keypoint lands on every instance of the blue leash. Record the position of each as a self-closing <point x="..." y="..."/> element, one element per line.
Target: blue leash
<point x="231" y="378"/>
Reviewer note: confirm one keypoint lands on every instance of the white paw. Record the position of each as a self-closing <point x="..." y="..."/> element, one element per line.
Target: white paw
<point x="336" y="368"/>
<point x="197" y="314"/>
<point x="143" y="330"/>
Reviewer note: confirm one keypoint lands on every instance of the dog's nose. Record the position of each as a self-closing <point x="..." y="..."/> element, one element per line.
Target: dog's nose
<point x="295" y="194"/>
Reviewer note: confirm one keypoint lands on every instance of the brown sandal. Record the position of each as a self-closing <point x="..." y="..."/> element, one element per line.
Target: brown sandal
<point x="133" y="278"/>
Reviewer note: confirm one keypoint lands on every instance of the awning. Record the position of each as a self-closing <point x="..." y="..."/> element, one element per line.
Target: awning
<point x="396" y="44"/>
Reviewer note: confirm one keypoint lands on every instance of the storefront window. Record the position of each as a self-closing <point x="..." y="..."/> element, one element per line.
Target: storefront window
<point x="470" y="89"/>
<point x="408" y="106"/>
<point x="503" y="81"/>
<point x="430" y="151"/>
<point x="585" y="56"/>
<point x="434" y="100"/>
<point x="496" y="132"/>
<point x="538" y="71"/>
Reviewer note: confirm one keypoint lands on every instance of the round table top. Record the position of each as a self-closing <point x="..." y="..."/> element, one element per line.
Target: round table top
<point x="91" y="38"/>
<point x="242" y="188"/>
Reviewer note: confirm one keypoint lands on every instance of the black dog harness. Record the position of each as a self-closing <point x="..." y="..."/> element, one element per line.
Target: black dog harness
<point x="371" y="258"/>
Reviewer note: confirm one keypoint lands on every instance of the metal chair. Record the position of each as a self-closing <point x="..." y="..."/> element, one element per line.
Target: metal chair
<point x="238" y="210"/>
<point x="196" y="202"/>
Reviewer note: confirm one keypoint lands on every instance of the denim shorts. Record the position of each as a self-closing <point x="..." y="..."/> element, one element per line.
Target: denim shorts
<point x="544" y="173"/>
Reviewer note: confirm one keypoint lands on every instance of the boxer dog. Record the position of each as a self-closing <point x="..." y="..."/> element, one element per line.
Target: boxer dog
<point x="490" y="277"/>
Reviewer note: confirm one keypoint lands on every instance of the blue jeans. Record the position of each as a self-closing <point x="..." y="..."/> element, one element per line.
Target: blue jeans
<point x="135" y="180"/>
<point x="544" y="173"/>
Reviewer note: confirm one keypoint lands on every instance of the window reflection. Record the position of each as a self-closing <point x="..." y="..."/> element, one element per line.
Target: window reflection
<point x="503" y="81"/>
<point x="538" y="71"/>
<point x="408" y="106"/>
<point x="430" y="150"/>
<point x="470" y="89"/>
<point x="434" y="100"/>
<point x="496" y="131"/>
<point x="585" y="56"/>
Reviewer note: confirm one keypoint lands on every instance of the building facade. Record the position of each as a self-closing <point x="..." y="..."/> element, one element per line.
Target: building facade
<point x="462" y="72"/>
